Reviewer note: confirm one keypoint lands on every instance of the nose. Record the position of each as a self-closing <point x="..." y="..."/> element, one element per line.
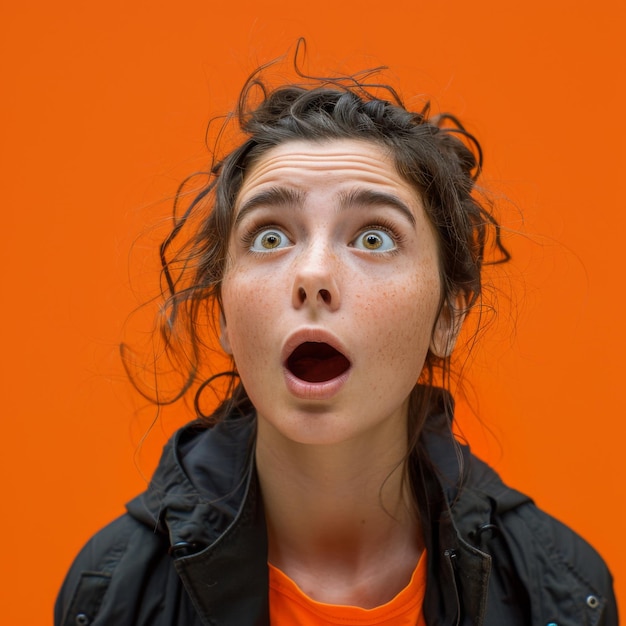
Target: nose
<point x="316" y="280"/>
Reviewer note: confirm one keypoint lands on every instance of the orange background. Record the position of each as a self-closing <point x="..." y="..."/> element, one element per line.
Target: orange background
<point x="104" y="111"/>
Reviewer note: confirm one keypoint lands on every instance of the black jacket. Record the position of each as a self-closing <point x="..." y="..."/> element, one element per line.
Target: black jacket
<point x="192" y="549"/>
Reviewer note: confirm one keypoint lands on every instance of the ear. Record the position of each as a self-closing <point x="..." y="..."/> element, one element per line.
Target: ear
<point x="448" y="326"/>
<point x="224" y="338"/>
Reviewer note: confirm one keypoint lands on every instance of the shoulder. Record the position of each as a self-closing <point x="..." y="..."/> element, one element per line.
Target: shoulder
<point x="534" y="533"/>
<point x="563" y="575"/>
<point x="106" y="554"/>
<point x="124" y="576"/>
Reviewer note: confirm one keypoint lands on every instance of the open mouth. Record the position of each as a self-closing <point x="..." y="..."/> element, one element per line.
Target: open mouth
<point x="317" y="362"/>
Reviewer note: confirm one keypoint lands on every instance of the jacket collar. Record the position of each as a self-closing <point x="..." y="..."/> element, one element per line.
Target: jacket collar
<point x="205" y="496"/>
<point x="228" y="580"/>
<point x="462" y="494"/>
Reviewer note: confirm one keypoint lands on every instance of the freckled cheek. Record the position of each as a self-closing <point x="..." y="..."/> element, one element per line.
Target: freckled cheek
<point x="400" y="322"/>
<point x="248" y="319"/>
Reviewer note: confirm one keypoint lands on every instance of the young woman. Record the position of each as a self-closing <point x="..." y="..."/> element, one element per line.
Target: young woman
<point x="342" y="247"/>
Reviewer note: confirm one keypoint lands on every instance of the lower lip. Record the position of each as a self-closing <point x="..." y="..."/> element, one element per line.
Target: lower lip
<point x="315" y="391"/>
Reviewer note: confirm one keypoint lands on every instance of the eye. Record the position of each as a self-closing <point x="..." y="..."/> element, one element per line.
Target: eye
<point x="269" y="239"/>
<point x="376" y="240"/>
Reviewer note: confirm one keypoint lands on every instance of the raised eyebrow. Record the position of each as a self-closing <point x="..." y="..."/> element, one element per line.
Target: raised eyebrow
<point x="272" y="197"/>
<point x="374" y="198"/>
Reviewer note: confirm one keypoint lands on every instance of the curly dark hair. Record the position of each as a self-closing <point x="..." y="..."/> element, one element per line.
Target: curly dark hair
<point x="435" y="154"/>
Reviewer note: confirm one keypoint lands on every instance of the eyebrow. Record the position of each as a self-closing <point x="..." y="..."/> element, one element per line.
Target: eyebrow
<point x="287" y="197"/>
<point x="273" y="197"/>
<point x="373" y="198"/>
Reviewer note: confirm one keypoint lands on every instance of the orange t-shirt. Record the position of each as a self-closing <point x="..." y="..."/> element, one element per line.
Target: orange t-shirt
<point x="289" y="606"/>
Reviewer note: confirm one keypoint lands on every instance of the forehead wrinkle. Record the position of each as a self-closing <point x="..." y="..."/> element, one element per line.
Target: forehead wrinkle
<point x="283" y="197"/>
<point x="374" y="198"/>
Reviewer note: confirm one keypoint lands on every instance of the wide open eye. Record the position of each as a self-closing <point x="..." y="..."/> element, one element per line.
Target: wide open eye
<point x="269" y="239"/>
<point x="375" y="240"/>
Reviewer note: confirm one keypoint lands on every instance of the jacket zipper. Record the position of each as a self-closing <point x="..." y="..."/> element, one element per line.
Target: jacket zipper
<point x="451" y="559"/>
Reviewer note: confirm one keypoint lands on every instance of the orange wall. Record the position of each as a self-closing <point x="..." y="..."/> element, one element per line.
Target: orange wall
<point x="104" y="110"/>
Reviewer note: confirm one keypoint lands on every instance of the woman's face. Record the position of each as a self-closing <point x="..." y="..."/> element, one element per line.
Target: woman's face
<point x="331" y="291"/>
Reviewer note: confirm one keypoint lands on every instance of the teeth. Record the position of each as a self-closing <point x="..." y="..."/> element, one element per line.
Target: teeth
<point x="317" y="362"/>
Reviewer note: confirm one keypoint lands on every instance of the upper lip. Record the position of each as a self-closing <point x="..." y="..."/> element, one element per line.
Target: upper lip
<point x="313" y="335"/>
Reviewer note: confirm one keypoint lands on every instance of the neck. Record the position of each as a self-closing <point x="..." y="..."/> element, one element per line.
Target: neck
<point x="341" y="518"/>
